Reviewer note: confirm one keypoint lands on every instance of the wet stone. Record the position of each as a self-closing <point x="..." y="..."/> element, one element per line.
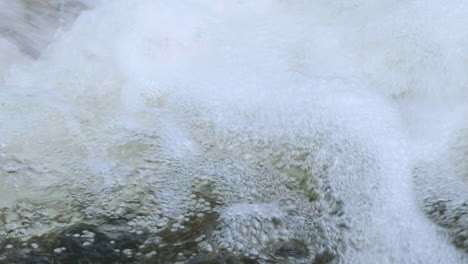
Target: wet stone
<point x="212" y="229"/>
<point x="108" y="243"/>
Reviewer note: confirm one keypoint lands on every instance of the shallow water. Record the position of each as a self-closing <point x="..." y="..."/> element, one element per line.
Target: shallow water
<point x="233" y="132"/>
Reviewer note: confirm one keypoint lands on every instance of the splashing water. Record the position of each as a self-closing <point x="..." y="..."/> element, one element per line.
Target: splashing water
<point x="261" y="131"/>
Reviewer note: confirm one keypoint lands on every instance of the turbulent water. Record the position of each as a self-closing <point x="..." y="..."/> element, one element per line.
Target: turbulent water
<point x="268" y="131"/>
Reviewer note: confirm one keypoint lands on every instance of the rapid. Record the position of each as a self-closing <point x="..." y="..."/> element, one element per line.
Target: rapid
<point x="267" y="131"/>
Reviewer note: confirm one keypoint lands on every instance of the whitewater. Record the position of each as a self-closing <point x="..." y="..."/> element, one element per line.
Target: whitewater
<point x="236" y="132"/>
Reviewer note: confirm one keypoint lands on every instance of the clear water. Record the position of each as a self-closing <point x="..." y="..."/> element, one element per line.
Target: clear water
<point x="261" y="131"/>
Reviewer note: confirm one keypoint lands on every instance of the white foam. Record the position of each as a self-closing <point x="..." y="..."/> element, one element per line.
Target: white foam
<point x="386" y="83"/>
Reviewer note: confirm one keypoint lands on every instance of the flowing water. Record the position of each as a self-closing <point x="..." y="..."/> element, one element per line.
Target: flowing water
<point x="268" y="131"/>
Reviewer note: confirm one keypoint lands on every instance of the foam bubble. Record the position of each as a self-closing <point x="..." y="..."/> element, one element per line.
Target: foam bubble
<point x="292" y="124"/>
